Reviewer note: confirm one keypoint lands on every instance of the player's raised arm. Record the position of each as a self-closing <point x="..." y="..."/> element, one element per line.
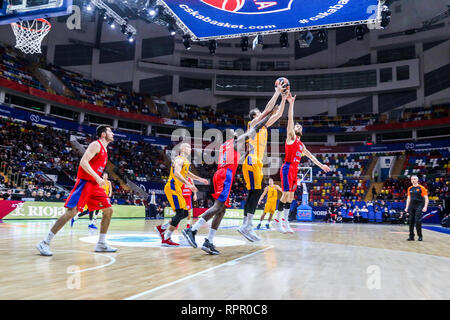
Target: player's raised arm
<point x="91" y="151"/>
<point x="177" y="166"/>
<point x="316" y="162"/>
<point x="254" y="129"/>
<point x="269" y="107"/>
<point x="279" y="112"/>
<point x="290" y="125"/>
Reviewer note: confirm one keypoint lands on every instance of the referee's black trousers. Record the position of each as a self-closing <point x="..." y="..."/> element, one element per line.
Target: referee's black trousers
<point x="415" y="219"/>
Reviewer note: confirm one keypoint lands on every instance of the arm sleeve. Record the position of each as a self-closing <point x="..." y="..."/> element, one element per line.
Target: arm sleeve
<point x="409" y="193"/>
<point x="424" y="191"/>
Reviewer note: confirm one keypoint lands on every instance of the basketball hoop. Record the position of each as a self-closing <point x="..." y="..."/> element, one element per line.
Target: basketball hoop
<point x="29" y="34"/>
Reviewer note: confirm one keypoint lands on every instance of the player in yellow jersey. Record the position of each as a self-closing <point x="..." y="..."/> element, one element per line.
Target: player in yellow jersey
<point x="253" y="165"/>
<point x="93" y="214"/>
<point x="179" y="174"/>
<point x="271" y="202"/>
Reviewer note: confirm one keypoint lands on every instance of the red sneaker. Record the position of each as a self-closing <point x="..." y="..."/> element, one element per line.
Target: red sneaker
<point x="169" y="243"/>
<point x="160" y="232"/>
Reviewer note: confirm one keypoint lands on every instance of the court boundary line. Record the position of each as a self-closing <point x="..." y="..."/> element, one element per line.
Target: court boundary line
<point x="195" y="274"/>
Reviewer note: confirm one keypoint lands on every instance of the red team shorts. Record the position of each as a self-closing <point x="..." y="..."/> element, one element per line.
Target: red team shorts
<point x="88" y="193"/>
<point x="288" y="174"/>
<point x="222" y="181"/>
<point x="188" y="200"/>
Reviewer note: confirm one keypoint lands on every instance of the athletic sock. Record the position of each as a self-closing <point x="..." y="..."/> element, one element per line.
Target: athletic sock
<point x="198" y="224"/>
<point x="244" y="223"/>
<point x="76" y="217"/>
<point x="167" y="234"/>
<point x="211" y="234"/>
<point x="102" y="238"/>
<point x="249" y="220"/>
<point x="49" y="237"/>
<point x="286" y="211"/>
<point x="165" y="225"/>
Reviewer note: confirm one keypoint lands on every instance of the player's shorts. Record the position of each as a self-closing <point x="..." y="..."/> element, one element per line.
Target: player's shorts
<point x="188" y="200"/>
<point x="270" y="206"/>
<point x="222" y="181"/>
<point x="174" y="196"/>
<point x="288" y="174"/>
<point x="87" y="193"/>
<point x="252" y="171"/>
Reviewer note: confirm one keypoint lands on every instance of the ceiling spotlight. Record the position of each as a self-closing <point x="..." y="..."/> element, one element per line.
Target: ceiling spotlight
<point x="123" y="28"/>
<point x="154" y="12"/>
<point x="89" y="7"/>
<point x="111" y="23"/>
<point x="244" y="43"/>
<point x="172" y="30"/>
<point x="385" y="16"/>
<point x="258" y="42"/>
<point x="102" y="13"/>
<point x="212" y="46"/>
<point x="186" y="42"/>
<point x="305" y="39"/>
<point x="130" y="37"/>
<point x="359" y="32"/>
<point x="284" y="40"/>
<point x="322" y="36"/>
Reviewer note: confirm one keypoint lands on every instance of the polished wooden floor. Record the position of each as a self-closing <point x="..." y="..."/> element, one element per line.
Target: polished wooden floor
<point x="319" y="261"/>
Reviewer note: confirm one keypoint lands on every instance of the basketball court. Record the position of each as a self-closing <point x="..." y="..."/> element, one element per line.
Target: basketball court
<point x="319" y="261"/>
<point x="335" y="261"/>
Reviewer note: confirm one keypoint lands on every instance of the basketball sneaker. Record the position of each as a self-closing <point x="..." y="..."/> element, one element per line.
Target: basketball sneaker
<point x="92" y="226"/>
<point x="244" y="231"/>
<point x="189" y="235"/>
<point x="160" y="232"/>
<point x="209" y="248"/>
<point x="286" y="226"/>
<point x="258" y="226"/>
<point x="267" y="226"/>
<point x="278" y="226"/>
<point x="104" y="247"/>
<point x="252" y="233"/>
<point x="44" y="248"/>
<point x="169" y="243"/>
<point x="72" y="222"/>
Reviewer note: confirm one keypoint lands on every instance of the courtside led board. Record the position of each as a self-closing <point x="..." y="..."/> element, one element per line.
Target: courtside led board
<point x="209" y="19"/>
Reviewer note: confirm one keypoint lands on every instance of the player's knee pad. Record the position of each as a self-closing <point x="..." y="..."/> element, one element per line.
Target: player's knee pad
<point x="180" y="214"/>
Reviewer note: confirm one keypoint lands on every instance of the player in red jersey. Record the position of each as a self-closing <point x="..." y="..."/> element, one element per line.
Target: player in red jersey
<point x="223" y="180"/>
<point x="294" y="149"/>
<point x="88" y="191"/>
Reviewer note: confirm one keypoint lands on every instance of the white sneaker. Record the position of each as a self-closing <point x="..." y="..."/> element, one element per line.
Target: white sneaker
<point x="286" y="226"/>
<point x="244" y="231"/>
<point x="252" y="233"/>
<point x="278" y="226"/>
<point x="44" y="248"/>
<point x="104" y="247"/>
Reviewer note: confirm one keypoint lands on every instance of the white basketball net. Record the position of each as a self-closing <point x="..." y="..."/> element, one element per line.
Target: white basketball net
<point x="29" y="34"/>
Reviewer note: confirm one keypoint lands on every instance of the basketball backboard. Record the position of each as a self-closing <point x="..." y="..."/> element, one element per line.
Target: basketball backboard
<point x="304" y="175"/>
<point x="23" y="10"/>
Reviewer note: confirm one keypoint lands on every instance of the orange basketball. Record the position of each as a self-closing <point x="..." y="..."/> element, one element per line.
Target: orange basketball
<point x="283" y="82"/>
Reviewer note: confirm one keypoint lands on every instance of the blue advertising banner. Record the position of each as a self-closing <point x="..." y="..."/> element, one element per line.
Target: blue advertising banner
<point x="150" y="187"/>
<point x="73" y="126"/>
<point x="216" y="18"/>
